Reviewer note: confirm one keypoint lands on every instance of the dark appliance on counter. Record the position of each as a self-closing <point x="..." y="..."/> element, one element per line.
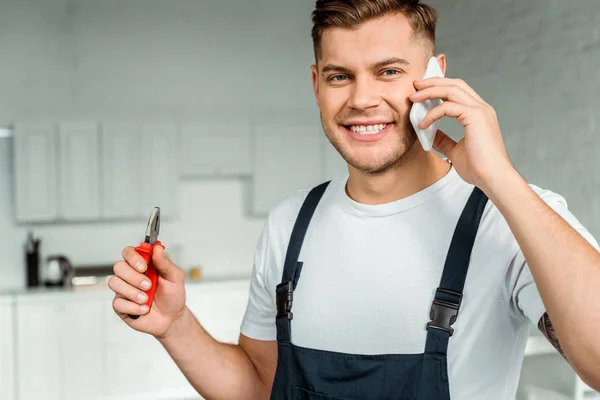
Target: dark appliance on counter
<point x="58" y="271"/>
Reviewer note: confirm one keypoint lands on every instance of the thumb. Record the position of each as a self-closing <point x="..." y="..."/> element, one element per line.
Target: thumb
<point x="444" y="144"/>
<point x="164" y="266"/>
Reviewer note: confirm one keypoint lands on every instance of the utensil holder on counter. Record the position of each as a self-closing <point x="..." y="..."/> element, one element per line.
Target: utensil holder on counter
<point x="32" y="260"/>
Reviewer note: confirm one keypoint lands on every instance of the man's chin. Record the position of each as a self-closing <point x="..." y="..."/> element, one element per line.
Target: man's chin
<point x="378" y="163"/>
<point x="372" y="166"/>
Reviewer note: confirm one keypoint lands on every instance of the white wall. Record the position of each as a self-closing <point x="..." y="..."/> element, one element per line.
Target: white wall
<point x="536" y="62"/>
<point x="179" y="60"/>
<point x="151" y="60"/>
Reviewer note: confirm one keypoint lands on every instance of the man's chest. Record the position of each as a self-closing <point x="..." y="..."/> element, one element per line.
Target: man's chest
<point x="379" y="301"/>
<point x="365" y="300"/>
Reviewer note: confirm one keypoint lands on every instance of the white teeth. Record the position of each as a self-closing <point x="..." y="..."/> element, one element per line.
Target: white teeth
<point x="368" y="129"/>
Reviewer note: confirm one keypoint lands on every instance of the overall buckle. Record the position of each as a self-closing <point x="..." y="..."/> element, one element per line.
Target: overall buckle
<point x="285" y="296"/>
<point x="443" y="313"/>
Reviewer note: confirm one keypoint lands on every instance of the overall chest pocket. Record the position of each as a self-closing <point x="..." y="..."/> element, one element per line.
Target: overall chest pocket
<point x="303" y="394"/>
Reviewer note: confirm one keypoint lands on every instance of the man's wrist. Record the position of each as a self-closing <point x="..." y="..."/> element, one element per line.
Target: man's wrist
<point x="181" y="324"/>
<point x="501" y="182"/>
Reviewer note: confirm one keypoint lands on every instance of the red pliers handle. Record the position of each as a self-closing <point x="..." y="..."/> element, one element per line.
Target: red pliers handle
<point x="145" y="250"/>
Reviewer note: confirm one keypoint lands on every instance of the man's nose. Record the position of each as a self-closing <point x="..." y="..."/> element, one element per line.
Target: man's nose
<point x="365" y="94"/>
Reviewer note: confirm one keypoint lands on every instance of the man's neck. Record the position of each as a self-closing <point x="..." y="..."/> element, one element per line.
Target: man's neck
<point x="419" y="170"/>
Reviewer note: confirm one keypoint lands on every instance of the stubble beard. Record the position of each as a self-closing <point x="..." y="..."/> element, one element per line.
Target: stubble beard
<point x="392" y="157"/>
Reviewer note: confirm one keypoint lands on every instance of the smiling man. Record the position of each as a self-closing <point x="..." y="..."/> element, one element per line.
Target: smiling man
<point x="413" y="277"/>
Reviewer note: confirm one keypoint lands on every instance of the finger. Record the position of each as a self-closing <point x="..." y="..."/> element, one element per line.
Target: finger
<point x="446" y="93"/>
<point x="448" y="109"/>
<point x="122" y="288"/>
<point x="134" y="258"/>
<point x="165" y="267"/>
<point x="444" y="144"/>
<point x="437" y="81"/>
<point x="125" y="307"/>
<point x="126" y="272"/>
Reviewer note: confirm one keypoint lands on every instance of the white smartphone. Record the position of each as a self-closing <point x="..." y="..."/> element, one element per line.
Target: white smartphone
<point x="419" y="110"/>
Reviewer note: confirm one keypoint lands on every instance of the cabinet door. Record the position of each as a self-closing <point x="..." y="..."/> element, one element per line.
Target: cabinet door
<point x="38" y="349"/>
<point x="82" y="373"/>
<point x="138" y="366"/>
<point x="7" y="384"/>
<point x="215" y="149"/>
<point x="159" y="175"/>
<point x="79" y="161"/>
<point x="35" y="168"/>
<point x="287" y="158"/>
<point x="121" y="171"/>
<point x="219" y="307"/>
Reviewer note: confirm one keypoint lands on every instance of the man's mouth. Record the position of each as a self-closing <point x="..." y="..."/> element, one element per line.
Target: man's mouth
<point x="367" y="129"/>
<point x="368" y="132"/>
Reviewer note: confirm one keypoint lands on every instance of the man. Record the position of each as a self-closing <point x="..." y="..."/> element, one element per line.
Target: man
<point x="412" y="277"/>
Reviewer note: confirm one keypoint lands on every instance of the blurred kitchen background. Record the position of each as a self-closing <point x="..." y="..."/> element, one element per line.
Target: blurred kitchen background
<point x="111" y="107"/>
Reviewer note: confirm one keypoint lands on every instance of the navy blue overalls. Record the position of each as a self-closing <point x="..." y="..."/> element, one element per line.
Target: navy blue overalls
<point x="310" y="374"/>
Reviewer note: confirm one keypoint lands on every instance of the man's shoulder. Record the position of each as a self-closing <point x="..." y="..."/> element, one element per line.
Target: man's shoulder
<point x="286" y="211"/>
<point x="277" y="232"/>
<point x="499" y="226"/>
<point x="551" y="198"/>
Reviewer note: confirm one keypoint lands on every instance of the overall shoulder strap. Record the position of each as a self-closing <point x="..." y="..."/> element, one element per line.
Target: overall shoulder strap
<point x="291" y="267"/>
<point x="448" y="295"/>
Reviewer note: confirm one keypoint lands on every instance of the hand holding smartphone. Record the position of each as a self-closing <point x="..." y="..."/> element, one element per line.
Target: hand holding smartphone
<point x="419" y="110"/>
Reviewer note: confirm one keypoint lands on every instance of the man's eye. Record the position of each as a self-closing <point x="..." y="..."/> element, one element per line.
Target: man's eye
<point x="392" y="72"/>
<point x="337" y="77"/>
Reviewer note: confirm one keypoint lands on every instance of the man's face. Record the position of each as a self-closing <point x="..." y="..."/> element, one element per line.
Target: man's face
<point x="362" y="85"/>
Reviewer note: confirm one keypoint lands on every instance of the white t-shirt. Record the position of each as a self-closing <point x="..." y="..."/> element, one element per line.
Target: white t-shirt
<point x="370" y="273"/>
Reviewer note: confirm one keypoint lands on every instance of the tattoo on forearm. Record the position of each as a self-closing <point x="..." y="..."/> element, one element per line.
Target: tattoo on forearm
<point x="545" y="325"/>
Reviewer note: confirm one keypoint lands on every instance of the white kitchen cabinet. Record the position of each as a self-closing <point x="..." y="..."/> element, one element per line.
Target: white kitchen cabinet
<point x="136" y="363"/>
<point x="38" y="349"/>
<point x="121" y="170"/>
<point x="7" y="383"/>
<point x="334" y="164"/>
<point x="215" y="149"/>
<point x="219" y="307"/>
<point x="159" y="169"/>
<point x="80" y="333"/>
<point x="72" y="346"/>
<point x="79" y="172"/>
<point x="287" y="158"/>
<point x="60" y="348"/>
<point x="36" y="172"/>
<point x="140" y="365"/>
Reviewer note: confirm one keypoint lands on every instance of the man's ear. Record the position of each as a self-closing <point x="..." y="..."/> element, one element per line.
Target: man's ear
<point x="442" y="61"/>
<point x="315" y="81"/>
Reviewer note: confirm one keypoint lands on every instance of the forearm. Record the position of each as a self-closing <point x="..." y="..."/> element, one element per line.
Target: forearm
<point x="216" y="370"/>
<point x="565" y="267"/>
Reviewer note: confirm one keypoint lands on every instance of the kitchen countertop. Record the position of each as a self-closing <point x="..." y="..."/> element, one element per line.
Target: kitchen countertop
<point x="102" y="287"/>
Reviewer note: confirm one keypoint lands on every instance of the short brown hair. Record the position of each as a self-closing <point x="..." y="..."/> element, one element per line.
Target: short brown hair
<point x="351" y="13"/>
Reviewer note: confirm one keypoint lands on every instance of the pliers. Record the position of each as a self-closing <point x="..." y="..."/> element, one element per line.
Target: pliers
<point x="145" y="250"/>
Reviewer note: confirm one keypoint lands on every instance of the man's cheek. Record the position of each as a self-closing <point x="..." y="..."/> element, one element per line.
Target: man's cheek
<point x="332" y="105"/>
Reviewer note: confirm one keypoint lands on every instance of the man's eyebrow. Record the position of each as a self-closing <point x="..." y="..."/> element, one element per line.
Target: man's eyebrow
<point x="335" y="68"/>
<point x="393" y="60"/>
<point x="379" y="64"/>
